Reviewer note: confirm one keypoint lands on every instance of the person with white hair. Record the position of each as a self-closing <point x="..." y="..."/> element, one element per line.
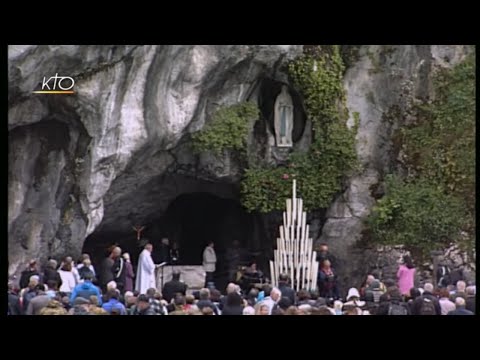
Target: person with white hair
<point x="460" y="308"/>
<point x="28" y="293"/>
<point x="273" y="299"/>
<point x="231" y="287"/>
<point x="112" y="285"/>
<point x="130" y="301"/>
<point x="205" y="301"/>
<point x="470" y="301"/>
<point x="460" y="292"/>
<point x="427" y="303"/>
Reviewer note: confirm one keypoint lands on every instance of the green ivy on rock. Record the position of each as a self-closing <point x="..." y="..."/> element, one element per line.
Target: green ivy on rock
<point x="416" y="214"/>
<point x="228" y="130"/>
<point x="318" y="76"/>
<point x="437" y="200"/>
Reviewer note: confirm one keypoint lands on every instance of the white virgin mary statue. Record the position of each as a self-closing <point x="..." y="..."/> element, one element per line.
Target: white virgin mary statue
<point x="283" y="118"/>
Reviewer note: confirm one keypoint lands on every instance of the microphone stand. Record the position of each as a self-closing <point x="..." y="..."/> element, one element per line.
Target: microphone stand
<point x="162" y="265"/>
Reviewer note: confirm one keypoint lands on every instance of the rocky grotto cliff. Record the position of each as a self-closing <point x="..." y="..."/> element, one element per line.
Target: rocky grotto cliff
<point x="117" y="152"/>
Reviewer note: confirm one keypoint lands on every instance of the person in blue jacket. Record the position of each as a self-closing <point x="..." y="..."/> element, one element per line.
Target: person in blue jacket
<point x="86" y="289"/>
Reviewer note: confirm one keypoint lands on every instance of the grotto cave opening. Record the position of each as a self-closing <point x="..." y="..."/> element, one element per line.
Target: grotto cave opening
<point x="190" y="221"/>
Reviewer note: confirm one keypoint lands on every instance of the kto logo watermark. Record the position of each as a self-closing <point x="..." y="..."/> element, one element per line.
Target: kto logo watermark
<point x="60" y="85"/>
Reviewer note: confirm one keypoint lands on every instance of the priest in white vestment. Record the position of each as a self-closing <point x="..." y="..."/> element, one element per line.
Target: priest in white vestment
<point x="145" y="271"/>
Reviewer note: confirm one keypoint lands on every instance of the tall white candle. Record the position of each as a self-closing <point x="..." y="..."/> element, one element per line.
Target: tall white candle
<point x="300" y="209"/>
<point x="289" y="212"/>
<point x="294" y="211"/>
<point x="272" y="272"/>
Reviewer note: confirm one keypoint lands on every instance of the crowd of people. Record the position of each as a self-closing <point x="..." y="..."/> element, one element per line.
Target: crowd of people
<point x="81" y="290"/>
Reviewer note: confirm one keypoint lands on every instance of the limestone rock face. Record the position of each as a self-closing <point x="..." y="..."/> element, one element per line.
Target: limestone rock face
<point x="382" y="86"/>
<point x="76" y="161"/>
<point x="117" y="152"/>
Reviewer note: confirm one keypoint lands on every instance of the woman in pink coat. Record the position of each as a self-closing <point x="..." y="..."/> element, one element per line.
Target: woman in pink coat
<point x="406" y="276"/>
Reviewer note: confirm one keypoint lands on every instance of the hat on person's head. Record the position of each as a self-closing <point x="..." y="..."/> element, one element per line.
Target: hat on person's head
<point x="375" y="285"/>
<point x="34" y="278"/>
<point x="353" y="292"/>
<point x="128" y="294"/>
<point x="81" y="301"/>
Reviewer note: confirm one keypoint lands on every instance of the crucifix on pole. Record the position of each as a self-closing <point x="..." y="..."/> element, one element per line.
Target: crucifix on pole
<point x="139" y="230"/>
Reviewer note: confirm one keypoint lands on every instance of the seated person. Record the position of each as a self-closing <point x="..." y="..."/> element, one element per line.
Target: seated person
<point x="251" y="276"/>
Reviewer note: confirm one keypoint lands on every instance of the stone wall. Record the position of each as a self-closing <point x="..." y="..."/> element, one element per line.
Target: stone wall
<point x="384" y="261"/>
